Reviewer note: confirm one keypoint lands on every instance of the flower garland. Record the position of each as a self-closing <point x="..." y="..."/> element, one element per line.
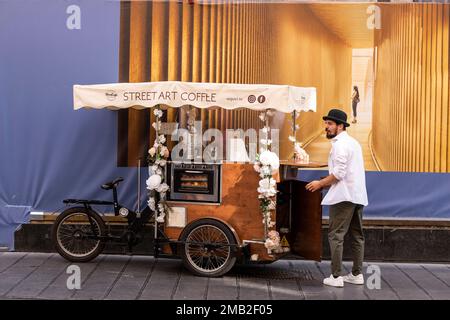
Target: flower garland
<point x="299" y="153"/>
<point x="267" y="163"/>
<point x="157" y="160"/>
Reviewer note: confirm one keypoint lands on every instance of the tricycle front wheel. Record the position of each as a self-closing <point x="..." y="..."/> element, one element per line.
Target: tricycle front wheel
<point x="208" y="250"/>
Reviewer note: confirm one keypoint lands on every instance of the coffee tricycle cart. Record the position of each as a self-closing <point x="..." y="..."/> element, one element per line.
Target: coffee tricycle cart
<point x="211" y="213"/>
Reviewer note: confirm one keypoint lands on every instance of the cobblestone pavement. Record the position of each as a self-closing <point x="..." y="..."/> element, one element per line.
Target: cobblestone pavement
<point x="44" y="276"/>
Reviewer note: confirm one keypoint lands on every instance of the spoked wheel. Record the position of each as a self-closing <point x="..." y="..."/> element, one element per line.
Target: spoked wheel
<point x="209" y="248"/>
<point x="75" y="235"/>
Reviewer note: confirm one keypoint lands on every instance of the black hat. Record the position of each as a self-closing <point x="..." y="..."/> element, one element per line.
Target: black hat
<point x="337" y="116"/>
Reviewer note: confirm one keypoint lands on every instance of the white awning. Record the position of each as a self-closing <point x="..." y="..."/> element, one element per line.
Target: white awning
<point x="175" y="94"/>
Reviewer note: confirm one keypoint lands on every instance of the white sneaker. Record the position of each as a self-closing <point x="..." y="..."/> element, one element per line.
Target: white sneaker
<point x="350" y="278"/>
<point x="334" y="282"/>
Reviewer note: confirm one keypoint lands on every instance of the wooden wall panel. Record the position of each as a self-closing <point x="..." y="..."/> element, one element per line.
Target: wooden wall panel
<point x="246" y="42"/>
<point x="174" y="54"/>
<point x="139" y="70"/>
<point x="411" y="101"/>
<point x="306" y="53"/>
<point x="445" y="153"/>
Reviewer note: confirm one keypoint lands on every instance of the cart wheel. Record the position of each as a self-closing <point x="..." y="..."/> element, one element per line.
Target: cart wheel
<point x="209" y="250"/>
<point x="71" y="235"/>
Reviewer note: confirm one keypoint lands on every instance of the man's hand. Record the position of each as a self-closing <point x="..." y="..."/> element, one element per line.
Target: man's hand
<point x="314" y="186"/>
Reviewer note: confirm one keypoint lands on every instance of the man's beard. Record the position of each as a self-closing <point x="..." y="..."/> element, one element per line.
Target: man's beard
<point x="330" y="135"/>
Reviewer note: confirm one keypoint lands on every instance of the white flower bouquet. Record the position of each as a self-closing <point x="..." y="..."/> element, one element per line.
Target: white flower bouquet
<point x="157" y="160"/>
<point x="267" y="163"/>
<point x="300" y="154"/>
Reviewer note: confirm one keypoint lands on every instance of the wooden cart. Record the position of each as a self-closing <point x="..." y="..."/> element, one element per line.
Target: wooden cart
<point x="225" y="228"/>
<point x="237" y="218"/>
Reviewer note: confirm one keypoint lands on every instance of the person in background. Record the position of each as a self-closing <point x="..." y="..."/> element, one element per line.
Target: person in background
<point x="347" y="197"/>
<point x="355" y="101"/>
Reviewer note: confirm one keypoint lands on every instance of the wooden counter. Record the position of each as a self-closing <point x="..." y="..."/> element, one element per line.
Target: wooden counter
<point x="299" y="165"/>
<point x="289" y="168"/>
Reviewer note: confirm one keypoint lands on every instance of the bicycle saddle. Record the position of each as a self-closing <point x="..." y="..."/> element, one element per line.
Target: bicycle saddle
<point x="112" y="184"/>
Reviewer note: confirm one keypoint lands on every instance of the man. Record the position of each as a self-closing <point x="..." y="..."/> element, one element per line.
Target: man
<point x="347" y="197"/>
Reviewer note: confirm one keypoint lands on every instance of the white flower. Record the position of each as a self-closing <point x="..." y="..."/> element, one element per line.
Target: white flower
<point x="266" y="170"/>
<point x="262" y="116"/>
<point x="273" y="234"/>
<point x="300" y="153"/>
<point x="153" y="182"/>
<point x="152" y="152"/>
<point x="267" y="192"/>
<point x="265" y="129"/>
<point x="157" y="125"/>
<point x="275" y="167"/>
<point x="162" y="139"/>
<point x="269" y="244"/>
<point x="267" y="183"/>
<point x="292" y="138"/>
<point x="269" y="158"/>
<point x="273" y="240"/>
<point x="160" y="219"/>
<point x="256" y="167"/>
<point x="265" y="158"/>
<point x="162" y="163"/>
<point x="154" y="168"/>
<point x="272" y="205"/>
<point x="151" y="204"/>
<point x="158" y="113"/>
<point x="162" y="188"/>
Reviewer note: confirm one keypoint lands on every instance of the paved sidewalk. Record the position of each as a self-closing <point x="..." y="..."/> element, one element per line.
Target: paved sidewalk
<point x="43" y="276"/>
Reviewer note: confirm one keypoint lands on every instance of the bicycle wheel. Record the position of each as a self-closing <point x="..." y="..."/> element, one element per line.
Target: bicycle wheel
<point x="74" y="237"/>
<point x="208" y="250"/>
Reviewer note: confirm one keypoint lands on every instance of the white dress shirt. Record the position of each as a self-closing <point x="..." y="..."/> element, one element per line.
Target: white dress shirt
<point x="346" y="163"/>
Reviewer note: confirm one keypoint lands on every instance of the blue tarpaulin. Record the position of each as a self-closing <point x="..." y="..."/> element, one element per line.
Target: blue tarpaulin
<point x="11" y="218"/>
